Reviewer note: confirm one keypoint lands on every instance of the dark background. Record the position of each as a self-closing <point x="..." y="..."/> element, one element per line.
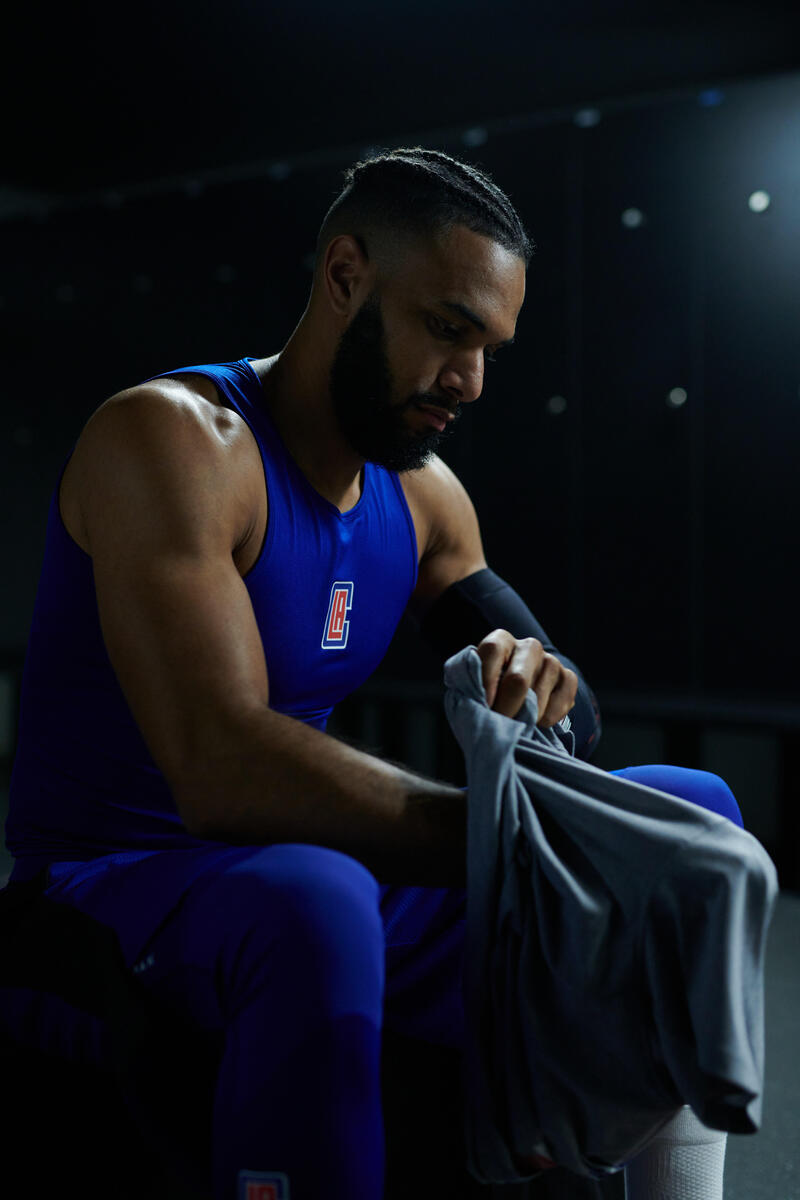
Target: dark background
<point x="165" y="169"/>
<point x="164" y="176"/>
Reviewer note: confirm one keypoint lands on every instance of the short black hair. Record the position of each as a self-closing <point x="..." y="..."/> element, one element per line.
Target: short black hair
<point x="423" y="193"/>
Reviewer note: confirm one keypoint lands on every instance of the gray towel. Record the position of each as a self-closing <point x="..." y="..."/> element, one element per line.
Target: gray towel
<point x="614" y="962"/>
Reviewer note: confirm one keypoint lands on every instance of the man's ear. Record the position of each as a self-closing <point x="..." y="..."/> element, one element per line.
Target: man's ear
<point x="344" y="271"/>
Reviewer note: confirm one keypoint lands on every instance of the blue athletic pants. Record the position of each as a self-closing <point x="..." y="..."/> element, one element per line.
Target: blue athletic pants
<point x="298" y="957"/>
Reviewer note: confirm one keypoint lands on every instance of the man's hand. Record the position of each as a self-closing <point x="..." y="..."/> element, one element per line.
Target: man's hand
<point x="511" y="667"/>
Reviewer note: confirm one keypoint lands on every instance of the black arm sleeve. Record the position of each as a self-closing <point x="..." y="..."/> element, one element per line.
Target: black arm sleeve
<point x="472" y="608"/>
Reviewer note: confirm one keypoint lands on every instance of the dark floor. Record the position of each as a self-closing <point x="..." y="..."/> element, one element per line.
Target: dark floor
<point x="764" y="1166"/>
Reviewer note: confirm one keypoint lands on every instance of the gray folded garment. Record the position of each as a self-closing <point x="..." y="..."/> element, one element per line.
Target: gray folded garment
<point x="614" y="959"/>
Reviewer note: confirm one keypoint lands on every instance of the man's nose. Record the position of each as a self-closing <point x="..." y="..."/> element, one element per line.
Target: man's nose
<point x="463" y="378"/>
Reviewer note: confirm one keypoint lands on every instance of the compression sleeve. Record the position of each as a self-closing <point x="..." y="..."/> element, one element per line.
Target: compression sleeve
<point x="472" y="608"/>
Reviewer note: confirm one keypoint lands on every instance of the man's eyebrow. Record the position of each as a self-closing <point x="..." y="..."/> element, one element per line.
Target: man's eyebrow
<point x="469" y="315"/>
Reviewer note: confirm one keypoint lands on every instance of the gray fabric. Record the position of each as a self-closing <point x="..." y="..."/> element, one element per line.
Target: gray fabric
<point x="615" y="940"/>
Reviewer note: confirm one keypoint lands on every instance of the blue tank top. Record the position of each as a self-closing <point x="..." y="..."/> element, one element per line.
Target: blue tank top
<point x="328" y="591"/>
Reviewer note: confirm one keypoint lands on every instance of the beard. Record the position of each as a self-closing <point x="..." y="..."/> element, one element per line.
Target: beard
<point x="362" y="387"/>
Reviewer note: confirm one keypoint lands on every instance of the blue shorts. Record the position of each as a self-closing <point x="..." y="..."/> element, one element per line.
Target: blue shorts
<point x="298" y="958"/>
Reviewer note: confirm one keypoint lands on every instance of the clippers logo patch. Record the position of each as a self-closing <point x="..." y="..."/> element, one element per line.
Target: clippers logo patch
<point x="263" y="1185"/>
<point x="336" y="627"/>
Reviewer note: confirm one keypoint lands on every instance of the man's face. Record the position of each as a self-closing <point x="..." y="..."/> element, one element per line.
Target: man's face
<point x="365" y="400"/>
<point x="426" y="352"/>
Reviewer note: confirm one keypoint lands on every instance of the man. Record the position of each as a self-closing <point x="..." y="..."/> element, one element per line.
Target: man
<point x="229" y="552"/>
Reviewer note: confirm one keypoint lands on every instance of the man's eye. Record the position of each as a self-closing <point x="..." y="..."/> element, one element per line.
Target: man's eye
<point x="442" y="329"/>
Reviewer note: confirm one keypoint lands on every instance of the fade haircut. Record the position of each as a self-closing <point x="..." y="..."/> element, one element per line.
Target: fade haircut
<point x="420" y="194"/>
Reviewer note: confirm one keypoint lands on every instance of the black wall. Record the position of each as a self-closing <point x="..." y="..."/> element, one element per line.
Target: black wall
<point x="654" y="542"/>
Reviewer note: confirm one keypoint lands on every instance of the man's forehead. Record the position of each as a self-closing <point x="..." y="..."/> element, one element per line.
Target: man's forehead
<point x="463" y="268"/>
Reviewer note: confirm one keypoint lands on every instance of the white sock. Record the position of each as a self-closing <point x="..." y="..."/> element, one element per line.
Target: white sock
<point x="684" y="1161"/>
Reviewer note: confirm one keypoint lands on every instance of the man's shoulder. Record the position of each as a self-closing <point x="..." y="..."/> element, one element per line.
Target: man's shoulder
<point x="438" y="490"/>
<point x="168" y="411"/>
<point x="164" y="432"/>
<point x="193" y="394"/>
<point x="432" y="482"/>
<point x="444" y="506"/>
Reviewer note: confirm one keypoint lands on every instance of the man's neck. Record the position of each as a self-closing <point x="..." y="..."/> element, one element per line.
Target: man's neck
<point x="297" y="397"/>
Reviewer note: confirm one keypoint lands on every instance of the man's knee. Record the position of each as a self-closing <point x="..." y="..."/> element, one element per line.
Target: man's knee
<point x="300" y="918"/>
<point x="719" y="797"/>
<point x="703" y="788"/>
<point x="319" y="904"/>
<point x="298" y="883"/>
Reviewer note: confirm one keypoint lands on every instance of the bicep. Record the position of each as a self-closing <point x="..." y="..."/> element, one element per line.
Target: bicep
<point x="183" y="641"/>
<point x="174" y="612"/>
<point x="455" y="545"/>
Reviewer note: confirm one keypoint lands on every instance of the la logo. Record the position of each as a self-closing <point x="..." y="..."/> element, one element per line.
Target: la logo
<point x="336" y="627"/>
<point x="263" y="1185"/>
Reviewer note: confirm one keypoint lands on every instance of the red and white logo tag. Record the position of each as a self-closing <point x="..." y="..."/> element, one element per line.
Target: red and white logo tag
<point x="263" y="1185"/>
<point x="336" y="626"/>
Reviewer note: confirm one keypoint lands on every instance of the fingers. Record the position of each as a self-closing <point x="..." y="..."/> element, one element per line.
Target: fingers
<point x="562" y="698"/>
<point x="505" y="678"/>
<point x="545" y="685"/>
<point x="511" y="667"/>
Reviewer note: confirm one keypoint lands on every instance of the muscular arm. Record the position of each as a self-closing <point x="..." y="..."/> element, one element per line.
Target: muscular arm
<point x="458" y="600"/>
<point x="473" y="607"/>
<point x="162" y="515"/>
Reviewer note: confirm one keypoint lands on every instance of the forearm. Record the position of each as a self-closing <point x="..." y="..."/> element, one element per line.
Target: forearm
<point x="271" y="778"/>
<point x="472" y="608"/>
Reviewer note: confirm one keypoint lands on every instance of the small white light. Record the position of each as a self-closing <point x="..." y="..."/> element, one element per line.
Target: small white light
<point x="556" y="405"/>
<point x="632" y="218"/>
<point x="759" y="201"/>
<point x="676" y="397"/>
<point x="586" y="117"/>
<point x="477" y="136"/>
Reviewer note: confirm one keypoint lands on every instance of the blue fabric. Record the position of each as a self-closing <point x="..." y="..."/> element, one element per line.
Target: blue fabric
<point x="301" y="957"/>
<point x="328" y="591"/>
<point x="701" y="787"/>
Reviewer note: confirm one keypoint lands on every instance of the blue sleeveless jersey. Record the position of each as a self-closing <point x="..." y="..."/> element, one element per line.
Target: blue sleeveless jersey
<point x="328" y="591"/>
